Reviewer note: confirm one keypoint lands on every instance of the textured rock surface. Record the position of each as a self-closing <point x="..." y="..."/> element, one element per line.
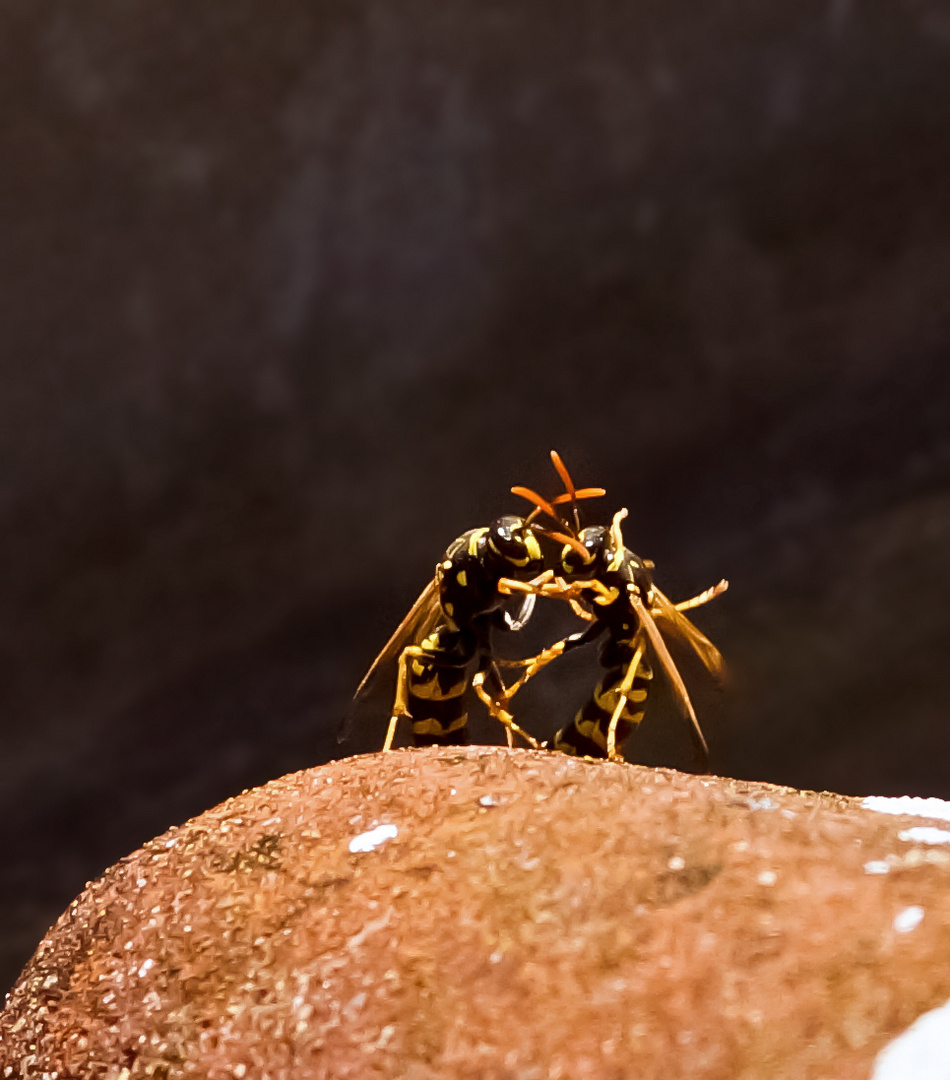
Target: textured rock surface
<point x="533" y="916"/>
<point x="292" y="292"/>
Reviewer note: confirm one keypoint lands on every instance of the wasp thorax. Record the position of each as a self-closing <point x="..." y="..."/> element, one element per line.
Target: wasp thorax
<point x="514" y="543"/>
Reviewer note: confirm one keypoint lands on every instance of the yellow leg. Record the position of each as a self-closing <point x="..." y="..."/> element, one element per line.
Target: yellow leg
<point x="625" y="687"/>
<point x="704" y="597"/>
<point x="532" y="665"/>
<point x="501" y="714"/>
<point x="401" y="704"/>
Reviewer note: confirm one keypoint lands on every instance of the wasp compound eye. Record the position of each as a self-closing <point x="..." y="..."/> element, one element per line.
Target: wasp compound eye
<point x="594" y="541"/>
<point x="511" y="540"/>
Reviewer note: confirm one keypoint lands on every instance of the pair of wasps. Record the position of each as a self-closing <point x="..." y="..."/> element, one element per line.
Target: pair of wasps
<point x="489" y="579"/>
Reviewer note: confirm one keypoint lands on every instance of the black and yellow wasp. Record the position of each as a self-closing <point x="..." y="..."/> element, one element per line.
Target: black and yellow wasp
<point x="612" y="588"/>
<point x="444" y="644"/>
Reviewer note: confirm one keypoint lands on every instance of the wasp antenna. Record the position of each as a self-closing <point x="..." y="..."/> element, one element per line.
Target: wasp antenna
<point x="570" y="492"/>
<point x="580" y="493"/>
<point x="615" y="534"/>
<point x="540" y="504"/>
<point x="571" y="541"/>
<point x="563" y="473"/>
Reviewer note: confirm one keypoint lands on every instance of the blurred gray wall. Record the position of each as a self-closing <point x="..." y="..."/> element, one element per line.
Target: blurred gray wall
<point x="291" y="294"/>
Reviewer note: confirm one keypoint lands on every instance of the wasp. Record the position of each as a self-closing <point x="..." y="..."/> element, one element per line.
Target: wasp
<point x="444" y="644"/>
<point x="613" y="589"/>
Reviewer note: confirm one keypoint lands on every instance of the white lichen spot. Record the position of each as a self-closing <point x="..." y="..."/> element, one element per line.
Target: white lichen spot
<point x="767" y="877"/>
<point x="922" y="1052"/>
<point x="368" y="840"/>
<point x="677" y="862"/>
<point x="925" y="834"/>
<point x="908" y="919"/>
<point x="939" y="809"/>
<point x="877" y="866"/>
<point x="764" y="803"/>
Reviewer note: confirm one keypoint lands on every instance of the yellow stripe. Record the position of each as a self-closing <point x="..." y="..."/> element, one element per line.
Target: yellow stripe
<point x="477" y="534"/>
<point x="433" y="727"/>
<point x="564" y="747"/>
<point x="431" y="691"/>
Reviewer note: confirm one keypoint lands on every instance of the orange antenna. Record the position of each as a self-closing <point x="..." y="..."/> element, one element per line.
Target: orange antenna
<point x="572" y="541"/>
<point x="571" y="494"/>
<point x="541" y="505"/>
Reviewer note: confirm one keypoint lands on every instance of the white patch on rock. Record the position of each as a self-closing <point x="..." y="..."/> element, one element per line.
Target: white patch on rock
<point x="925" y="834"/>
<point x="908" y="919"/>
<point x="939" y="809"/>
<point x="876" y="866"/>
<point x="368" y="840"/>
<point x="922" y="1052"/>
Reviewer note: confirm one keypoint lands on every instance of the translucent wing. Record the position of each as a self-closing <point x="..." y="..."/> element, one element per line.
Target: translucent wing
<point x="420" y="620"/>
<point x="674" y="624"/>
<point x="666" y="661"/>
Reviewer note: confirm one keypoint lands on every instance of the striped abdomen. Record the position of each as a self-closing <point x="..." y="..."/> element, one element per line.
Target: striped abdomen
<point x="436" y="687"/>
<point x="586" y="735"/>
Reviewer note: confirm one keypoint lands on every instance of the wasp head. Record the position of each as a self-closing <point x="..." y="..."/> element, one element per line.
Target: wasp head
<point x="513" y="544"/>
<point x="596" y="543"/>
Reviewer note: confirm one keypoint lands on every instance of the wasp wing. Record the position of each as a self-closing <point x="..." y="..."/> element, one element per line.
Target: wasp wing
<point x="420" y="620"/>
<point x="679" y="687"/>
<point x="674" y="624"/>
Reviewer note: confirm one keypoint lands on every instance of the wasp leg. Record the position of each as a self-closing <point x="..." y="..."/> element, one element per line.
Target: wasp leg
<point x="496" y="706"/>
<point x="507" y="586"/>
<point x="704" y="597"/>
<point x="401" y="704"/>
<point x="534" y="664"/>
<point x="623" y="691"/>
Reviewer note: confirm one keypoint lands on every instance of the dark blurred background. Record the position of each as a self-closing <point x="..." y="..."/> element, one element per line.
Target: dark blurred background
<point x="292" y="293"/>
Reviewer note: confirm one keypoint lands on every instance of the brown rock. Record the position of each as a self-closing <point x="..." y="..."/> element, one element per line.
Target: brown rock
<point x="533" y="916"/>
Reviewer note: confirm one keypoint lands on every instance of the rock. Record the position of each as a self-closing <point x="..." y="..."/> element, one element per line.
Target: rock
<point x="478" y="912"/>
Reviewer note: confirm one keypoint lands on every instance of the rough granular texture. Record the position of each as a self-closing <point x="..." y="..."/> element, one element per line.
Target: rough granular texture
<point x="534" y="916"/>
